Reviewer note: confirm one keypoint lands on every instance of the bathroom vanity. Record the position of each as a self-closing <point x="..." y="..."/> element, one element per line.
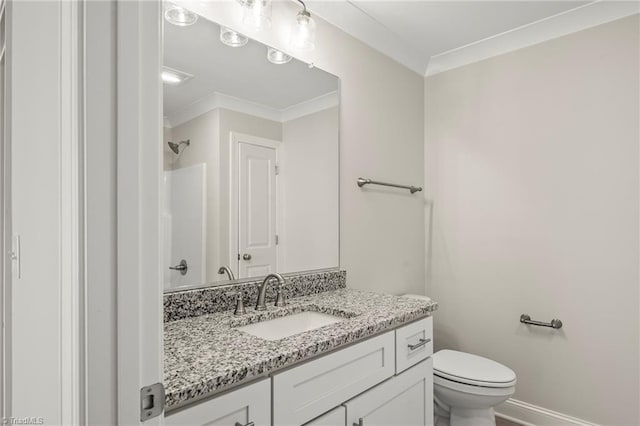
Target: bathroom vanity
<point x="372" y="366"/>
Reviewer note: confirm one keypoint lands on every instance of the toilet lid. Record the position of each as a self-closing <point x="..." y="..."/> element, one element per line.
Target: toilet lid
<point x="472" y="369"/>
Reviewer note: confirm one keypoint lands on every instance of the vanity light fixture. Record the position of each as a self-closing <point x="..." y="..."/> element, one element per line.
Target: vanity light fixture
<point x="174" y="77"/>
<point x="232" y="38"/>
<point x="179" y="16"/>
<point x="256" y="14"/>
<point x="277" y="57"/>
<point x="303" y="34"/>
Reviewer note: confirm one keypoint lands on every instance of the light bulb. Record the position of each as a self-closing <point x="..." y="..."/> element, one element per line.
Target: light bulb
<point x="170" y="78"/>
<point x="256" y="14"/>
<point x="303" y="34"/>
<point x="179" y="16"/>
<point x="232" y="38"/>
<point x="174" y="77"/>
<point x="277" y="57"/>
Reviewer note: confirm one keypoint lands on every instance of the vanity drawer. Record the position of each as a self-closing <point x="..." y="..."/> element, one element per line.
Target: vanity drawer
<point x="303" y="393"/>
<point x="414" y="342"/>
<point x="241" y="406"/>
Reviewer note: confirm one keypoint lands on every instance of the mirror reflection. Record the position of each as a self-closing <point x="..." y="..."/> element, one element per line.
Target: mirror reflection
<point x="250" y="159"/>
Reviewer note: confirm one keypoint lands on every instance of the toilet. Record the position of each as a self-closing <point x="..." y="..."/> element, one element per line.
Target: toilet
<point x="466" y="387"/>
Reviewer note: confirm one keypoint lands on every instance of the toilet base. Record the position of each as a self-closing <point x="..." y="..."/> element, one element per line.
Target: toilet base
<point x="484" y="417"/>
<point x="445" y="415"/>
<point x="467" y="417"/>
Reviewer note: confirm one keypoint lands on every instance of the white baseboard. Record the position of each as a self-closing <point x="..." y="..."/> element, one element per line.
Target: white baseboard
<point x="531" y="415"/>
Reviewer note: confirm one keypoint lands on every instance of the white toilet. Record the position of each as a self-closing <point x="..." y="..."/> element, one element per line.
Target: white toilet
<point x="466" y="387"/>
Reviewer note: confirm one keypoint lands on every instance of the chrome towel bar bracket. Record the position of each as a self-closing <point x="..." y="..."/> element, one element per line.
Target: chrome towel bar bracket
<point x="555" y="323"/>
<point x="363" y="181"/>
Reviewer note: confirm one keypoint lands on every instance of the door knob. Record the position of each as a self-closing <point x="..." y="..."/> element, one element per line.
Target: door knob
<point x="182" y="267"/>
<point x="246" y="256"/>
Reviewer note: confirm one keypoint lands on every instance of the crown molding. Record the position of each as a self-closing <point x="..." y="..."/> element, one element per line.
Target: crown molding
<point x="220" y="100"/>
<point x="571" y="21"/>
<point x="326" y="101"/>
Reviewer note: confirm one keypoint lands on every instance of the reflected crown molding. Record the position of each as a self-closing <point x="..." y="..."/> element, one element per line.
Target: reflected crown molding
<point x="221" y="100"/>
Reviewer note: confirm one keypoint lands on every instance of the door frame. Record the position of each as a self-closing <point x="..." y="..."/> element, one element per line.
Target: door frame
<point x="139" y="183"/>
<point x="235" y="138"/>
<point x="5" y="220"/>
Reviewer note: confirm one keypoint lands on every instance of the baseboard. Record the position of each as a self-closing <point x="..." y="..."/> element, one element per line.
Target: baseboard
<point x="531" y="415"/>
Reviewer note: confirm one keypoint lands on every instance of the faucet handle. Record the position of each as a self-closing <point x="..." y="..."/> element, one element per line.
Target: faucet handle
<point x="280" y="299"/>
<point x="240" y="309"/>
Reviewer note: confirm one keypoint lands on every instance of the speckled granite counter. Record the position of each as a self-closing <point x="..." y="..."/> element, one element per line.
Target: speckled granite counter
<point x="207" y="354"/>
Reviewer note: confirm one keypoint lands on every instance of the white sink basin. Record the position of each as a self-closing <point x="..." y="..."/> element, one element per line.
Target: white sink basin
<point x="282" y="327"/>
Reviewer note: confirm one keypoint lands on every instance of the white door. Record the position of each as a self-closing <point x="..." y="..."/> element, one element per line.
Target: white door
<point x="256" y="210"/>
<point x="404" y="400"/>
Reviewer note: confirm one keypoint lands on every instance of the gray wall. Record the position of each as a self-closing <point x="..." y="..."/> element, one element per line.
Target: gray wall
<point x="532" y="165"/>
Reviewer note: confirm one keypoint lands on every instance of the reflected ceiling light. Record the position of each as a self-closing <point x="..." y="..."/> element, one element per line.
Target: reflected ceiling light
<point x="232" y="38"/>
<point x="174" y="77"/>
<point x="303" y="33"/>
<point x="179" y="16"/>
<point x="256" y="14"/>
<point x="277" y="57"/>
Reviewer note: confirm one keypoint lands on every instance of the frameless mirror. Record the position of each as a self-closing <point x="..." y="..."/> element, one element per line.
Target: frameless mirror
<point x="250" y="159"/>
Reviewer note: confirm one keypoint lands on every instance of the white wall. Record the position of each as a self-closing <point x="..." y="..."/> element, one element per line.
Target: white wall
<point x="309" y="174"/>
<point x="381" y="137"/>
<point x="532" y="166"/>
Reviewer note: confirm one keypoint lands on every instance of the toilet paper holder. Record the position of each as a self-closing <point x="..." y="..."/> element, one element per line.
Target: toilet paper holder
<point x="555" y="323"/>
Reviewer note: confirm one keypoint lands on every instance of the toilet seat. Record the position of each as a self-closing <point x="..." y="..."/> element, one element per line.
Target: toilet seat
<point x="469" y="369"/>
<point x="473" y="389"/>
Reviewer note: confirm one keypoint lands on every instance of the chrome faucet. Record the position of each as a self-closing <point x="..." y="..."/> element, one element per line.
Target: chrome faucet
<point x="229" y="272"/>
<point x="261" y="305"/>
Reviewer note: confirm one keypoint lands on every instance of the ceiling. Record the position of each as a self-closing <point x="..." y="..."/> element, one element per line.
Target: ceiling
<point x="242" y="73"/>
<point x="411" y="32"/>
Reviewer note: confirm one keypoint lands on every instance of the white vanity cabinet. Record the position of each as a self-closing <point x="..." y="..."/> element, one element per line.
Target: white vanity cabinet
<point x="404" y="400"/>
<point x="250" y="405"/>
<point x="382" y="381"/>
<point x="335" y="417"/>
<point x="308" y="390"/>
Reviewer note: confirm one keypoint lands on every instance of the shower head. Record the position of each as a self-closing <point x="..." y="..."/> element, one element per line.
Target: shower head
<point x="175" y="147"/>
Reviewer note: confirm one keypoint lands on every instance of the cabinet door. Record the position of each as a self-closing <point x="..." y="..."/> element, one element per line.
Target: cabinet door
<point x="304" y="392"/>
<point x="335" y="417"/>
<point x="404" y="400"/>
<point x="243" y="406"/>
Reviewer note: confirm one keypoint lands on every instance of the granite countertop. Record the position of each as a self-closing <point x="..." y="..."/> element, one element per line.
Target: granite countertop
<point x="207" y="354"/>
